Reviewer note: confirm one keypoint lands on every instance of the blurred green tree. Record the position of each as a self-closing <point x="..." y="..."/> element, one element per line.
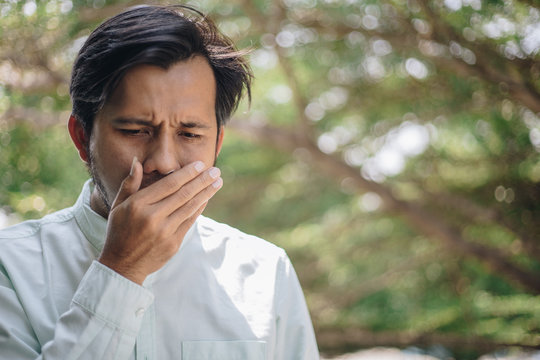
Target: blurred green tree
<point x="392" y="147"/>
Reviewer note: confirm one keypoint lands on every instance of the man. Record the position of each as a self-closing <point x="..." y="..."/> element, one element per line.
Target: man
<point x="132" y="270"/>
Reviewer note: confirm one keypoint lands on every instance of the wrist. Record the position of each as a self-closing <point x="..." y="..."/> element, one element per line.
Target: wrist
<point x="134" y="276"/>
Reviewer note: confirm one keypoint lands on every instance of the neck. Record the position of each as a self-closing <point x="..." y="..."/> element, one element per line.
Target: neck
<point x="96" y="203"/>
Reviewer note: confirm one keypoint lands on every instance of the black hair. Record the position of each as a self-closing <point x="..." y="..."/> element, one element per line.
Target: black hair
<point x="160" y="36"/>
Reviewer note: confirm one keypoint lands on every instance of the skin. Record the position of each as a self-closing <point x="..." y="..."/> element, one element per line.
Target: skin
<point x="151" y="154"/>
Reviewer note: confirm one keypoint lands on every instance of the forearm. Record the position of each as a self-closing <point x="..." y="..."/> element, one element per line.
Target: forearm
<point x="102" y="322"/>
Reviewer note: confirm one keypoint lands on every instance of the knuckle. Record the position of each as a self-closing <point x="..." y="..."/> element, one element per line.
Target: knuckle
<point x="158" y="235"/>
<point x="148" y="222"/>
<point x="170" y="247"/>
<point x="194" y="205"/>
<point x="190" y="206"/>
<point x="185" y="211"/>
<point x="132" y="207"/>
<point x="184" y="193"/>
<point x="179" y="178"/>
<point x="135" y="207"/>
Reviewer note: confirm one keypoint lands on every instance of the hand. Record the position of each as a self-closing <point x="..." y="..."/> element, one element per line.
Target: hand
<point x="146" y="227"/>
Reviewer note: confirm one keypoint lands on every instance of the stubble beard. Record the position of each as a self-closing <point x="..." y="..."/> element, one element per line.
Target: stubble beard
<point x="98" y="183"/>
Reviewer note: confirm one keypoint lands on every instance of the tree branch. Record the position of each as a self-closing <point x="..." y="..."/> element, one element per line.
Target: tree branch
<point x="428" y="224"/>
<point x="519" y="84"/>
<point x="480" y="214"/>
<point x="352" y="294"/>
<point x="516" y="78"/>
<point x="278" y="15"/>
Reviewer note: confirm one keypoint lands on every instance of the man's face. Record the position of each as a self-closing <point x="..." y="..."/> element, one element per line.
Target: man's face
<point x="164" y="117"/>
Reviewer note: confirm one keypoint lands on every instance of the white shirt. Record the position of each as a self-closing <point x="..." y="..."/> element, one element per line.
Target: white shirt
<point x="223" y="295"/>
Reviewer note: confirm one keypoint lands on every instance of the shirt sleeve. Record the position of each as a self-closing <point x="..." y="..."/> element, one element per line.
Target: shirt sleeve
<point x="295" y="338"/>
<point x="102" y="322"/>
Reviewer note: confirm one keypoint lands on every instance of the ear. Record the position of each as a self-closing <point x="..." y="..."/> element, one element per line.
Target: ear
<point x="219" y="142"/>
<point x="78" y="136"/>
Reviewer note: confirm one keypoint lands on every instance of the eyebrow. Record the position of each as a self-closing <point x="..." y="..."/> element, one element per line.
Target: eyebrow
<point x="135" y="121"/>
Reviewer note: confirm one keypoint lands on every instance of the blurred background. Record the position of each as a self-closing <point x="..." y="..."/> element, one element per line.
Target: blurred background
<point x="392" y="147"/>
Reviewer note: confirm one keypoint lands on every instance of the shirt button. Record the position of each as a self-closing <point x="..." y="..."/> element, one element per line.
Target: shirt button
<point x="139" y="312"/>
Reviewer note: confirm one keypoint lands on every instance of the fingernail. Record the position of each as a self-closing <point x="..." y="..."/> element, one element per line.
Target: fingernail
<point x="133" y="165"/>
<point x="199" y="166"/>
<point x="217" y="184"/>
<point x="214" y="173"/>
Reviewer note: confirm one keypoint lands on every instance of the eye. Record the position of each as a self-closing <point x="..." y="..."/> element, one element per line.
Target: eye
<point x="134" y="132"/>
<point x="189" y="135"/>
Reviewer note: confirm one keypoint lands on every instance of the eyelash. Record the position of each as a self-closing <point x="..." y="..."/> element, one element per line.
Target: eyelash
<point x="131" y="132"/>
<point x="134" y="132"/>
<point x="190" y="135"/>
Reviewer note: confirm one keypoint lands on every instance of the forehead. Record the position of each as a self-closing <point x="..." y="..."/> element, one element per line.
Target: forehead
<point x="185" y="88"/>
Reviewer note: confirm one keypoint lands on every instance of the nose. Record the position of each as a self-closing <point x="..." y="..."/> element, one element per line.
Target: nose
<point x="161" y="156"/>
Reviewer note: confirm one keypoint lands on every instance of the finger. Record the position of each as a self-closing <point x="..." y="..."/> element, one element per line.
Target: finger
<point x="184" y="227"/>
<point x="191" y="207"/>
<point x="131" y="183"/>
<point x="210" y="177"/>
<point x="172" y="183"/>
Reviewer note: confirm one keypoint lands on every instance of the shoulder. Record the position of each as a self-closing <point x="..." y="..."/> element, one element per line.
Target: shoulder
<point x="217" y="232"/>
<point x="32" y="228"/>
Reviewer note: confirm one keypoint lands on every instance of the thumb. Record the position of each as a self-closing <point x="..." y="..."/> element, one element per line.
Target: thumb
<point x="131" y="183"/>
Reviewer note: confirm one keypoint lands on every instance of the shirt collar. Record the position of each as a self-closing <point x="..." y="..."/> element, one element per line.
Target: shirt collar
<point x="93" y="225"/>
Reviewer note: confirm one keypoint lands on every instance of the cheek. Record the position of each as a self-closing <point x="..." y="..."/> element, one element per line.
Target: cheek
<point x="203" y="152"/>
<point x="113" y="161"/>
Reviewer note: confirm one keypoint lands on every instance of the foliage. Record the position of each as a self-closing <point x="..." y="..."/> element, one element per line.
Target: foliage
<point x="392" y="148"/>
